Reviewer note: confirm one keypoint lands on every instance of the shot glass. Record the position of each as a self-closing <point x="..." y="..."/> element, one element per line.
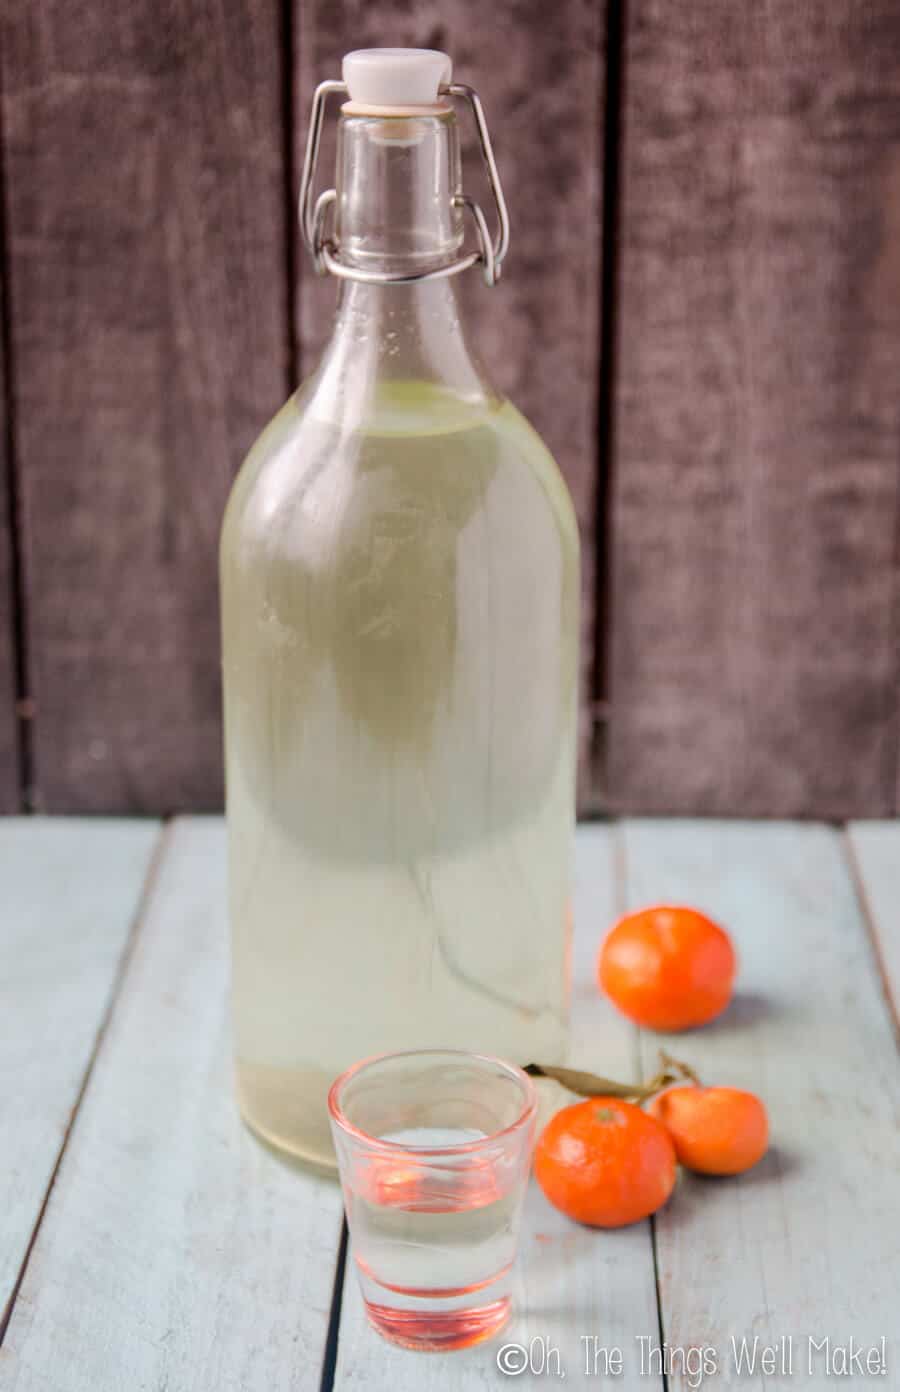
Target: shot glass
<point x="434" y="1148"/>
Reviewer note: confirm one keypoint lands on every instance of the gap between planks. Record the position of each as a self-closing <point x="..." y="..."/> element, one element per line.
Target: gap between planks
<point x="620" y="904"/>
<point x="870" y="918"/>
<point x="156" y="858"/>
<point x="330" y="1356"/>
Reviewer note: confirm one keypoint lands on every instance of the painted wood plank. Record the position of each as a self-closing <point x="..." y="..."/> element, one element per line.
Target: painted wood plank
<point x="571" y="1281"/>
<point x="146" y="238"/>
<point x="176" y="1251"/>
<point x="537" y="332"/>
<point x="10" y="792"/>
<point x="875" y="856"/>
<point x="71" y="890"/>
<point x="805" y="1244"/>
<point x="757" y="422"/>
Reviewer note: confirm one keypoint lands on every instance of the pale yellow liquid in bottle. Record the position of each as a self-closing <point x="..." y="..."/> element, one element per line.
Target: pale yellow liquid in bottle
<point x="400" y="653"/>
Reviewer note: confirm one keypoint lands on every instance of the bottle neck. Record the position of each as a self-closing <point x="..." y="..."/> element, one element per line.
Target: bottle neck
<point x="397" y="183"/>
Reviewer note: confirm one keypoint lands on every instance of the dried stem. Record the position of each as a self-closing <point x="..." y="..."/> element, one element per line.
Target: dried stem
<point x="591" y="1085"/>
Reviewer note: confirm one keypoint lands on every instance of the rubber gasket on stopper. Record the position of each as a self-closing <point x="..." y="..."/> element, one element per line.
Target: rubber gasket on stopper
<point x="351" y="108"/>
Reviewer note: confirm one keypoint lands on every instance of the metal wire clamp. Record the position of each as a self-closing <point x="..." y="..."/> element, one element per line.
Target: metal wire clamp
<point x="313" y="215"/>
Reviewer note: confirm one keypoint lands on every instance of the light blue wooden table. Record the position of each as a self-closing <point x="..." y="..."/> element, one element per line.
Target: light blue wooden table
<point x="148" y="1242"/>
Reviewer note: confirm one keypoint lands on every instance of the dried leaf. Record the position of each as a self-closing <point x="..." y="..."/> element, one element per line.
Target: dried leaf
<point x="587" y="1084"/>
<point x="591" y="1085"/>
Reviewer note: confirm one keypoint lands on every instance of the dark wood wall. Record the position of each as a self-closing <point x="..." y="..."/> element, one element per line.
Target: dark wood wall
<point x="149" y="321"/>
<point x="701" y="314"/>
<point x="756" y="468"/>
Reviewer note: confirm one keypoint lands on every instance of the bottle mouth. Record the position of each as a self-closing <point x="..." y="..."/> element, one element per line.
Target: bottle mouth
<point x="395" y="125"/>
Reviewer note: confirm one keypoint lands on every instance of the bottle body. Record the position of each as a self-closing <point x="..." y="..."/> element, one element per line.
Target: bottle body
<point x="400" y="654"/>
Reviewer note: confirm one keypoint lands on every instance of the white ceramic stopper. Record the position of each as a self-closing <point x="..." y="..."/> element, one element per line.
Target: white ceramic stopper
<point x="395" y="76"/>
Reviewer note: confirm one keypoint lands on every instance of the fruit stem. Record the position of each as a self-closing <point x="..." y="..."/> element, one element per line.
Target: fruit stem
<point x="591" y="1085"/>
<point x="684" y="1069"/>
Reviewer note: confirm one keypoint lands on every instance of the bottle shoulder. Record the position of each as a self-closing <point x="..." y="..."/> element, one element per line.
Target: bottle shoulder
<point x="413" y="447"/>
<point x="276" y="437"/>
<point x="544" y="466"/>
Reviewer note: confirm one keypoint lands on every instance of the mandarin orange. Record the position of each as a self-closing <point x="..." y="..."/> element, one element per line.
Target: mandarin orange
<point x="605" y="1162"/>
<point x="715" y="1130"/>
<point x="668" y="967"/>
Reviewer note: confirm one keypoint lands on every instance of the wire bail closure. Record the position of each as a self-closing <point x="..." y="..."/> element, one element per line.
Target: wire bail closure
<point x="313" y="216"/>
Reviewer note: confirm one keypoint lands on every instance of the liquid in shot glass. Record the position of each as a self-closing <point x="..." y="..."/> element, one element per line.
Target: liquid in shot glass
<point x="434" y="1149"/>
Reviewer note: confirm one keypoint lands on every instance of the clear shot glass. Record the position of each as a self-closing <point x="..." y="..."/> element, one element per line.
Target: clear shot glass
<point x="434" y="1149"/>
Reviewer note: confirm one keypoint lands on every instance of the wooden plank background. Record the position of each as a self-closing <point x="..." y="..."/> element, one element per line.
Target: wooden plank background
<point x="147" y="1241"/>
<point x="754" y="645"/>
<point x="71" y="892"/>
<point x="10" y="767"/>
<point x="709" y="194"/>
<point x="136" y="1270"/>
<point x="809" y="1032"/>
<point x="146" y="248"/>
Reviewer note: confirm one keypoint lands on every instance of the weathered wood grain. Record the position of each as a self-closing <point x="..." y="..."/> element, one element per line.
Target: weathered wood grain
<point x="10" y="792"/>
<point x="874" y="849"/>
<point x="754" y="665"/>
<point x="537" y="332"/>
<point x="806" y="1243"/>
<point x="71" y="890"/>
<point x="176" y="1251"/>
<point x="146" y="236"/>
<point x="571" y="1281"/>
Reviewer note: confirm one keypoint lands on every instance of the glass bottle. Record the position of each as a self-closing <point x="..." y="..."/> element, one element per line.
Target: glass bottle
<point x="399" y="580"/>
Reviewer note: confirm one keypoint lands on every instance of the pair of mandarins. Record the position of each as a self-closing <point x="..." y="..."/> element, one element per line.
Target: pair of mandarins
<point x="605" y="1161"/>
